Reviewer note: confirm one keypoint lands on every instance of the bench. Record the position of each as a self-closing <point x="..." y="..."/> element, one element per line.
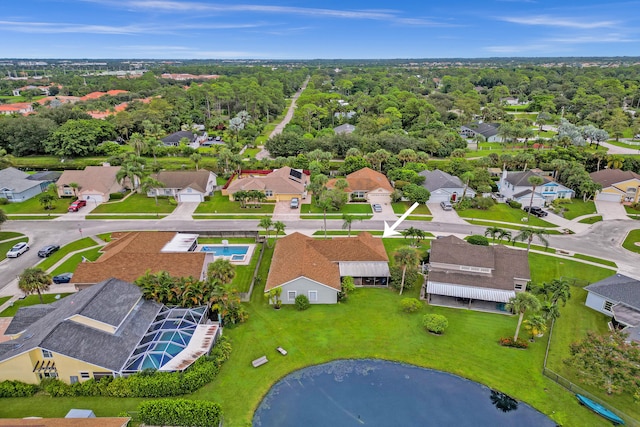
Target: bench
<point x="282" y="351"/>
<point x="259" y="361"/>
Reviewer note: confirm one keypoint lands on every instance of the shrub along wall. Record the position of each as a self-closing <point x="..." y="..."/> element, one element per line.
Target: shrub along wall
<point x="143" y="384"/>
<point x="180" y="412"/>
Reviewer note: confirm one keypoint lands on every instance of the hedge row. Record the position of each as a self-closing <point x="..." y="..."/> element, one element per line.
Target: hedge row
<point x="180" y="412"/>
<point x="143" y="384"/>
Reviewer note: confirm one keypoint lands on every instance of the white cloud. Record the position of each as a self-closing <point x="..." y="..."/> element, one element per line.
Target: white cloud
<point x="581" y="23"/>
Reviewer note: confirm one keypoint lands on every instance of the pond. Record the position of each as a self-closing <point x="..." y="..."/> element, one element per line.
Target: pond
<point x="376" y="393"/>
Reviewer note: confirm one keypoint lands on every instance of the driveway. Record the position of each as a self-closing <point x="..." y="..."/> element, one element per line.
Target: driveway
<point x="440" y="215"/>
<point x="283" y="211"/>
<point x="611" y="210"/>
<point x="387" y="213"/>
<point x="183" y="211"/>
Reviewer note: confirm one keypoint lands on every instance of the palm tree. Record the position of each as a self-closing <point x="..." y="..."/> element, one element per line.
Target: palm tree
<point x="34" y="280"/>
<point x="324" y="203"/>
<point x="266" y="223"/>
<point x="148" y="184"/>
<point x="195" y="158"/>
<point x="536" y="325"/>
<point x="138" y="143"/>
<point x="521" y="303"/>
<point x="558" y="289"/>
<point x="75" y="187"/>
<point x="549" y="310"/>
<point x="504" y="234"/>
<point x="492" y="231"/>
<point x="615" y="162"/>
<point x="534" y="181"/>
<point x="279" y="226"/>
<point x="527" y="234"/>
<point x="347" y="221"/>
<point x="220" y="272"/>
<point x="415" y="234"/>
<point x="466" y="177"/>
<point x="406" y="257"/>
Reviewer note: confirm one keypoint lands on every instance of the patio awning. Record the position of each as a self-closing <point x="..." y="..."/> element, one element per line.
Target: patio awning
<point x="470" y="292"/>
<point x="364" y="269"/>
<point x="181" y="242"/>
<point x="626" y="314"/>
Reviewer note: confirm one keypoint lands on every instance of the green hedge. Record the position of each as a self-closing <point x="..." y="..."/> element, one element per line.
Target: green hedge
<point x="17" y="389"/>
<point x="180" y="412"/>
<point x="148" y="383"/>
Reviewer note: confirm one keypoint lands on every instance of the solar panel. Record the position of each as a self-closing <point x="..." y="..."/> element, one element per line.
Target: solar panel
<point x="295" y="174"/>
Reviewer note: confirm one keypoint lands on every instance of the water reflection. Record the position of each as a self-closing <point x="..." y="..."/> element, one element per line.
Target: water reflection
<point x="503" y="402"/>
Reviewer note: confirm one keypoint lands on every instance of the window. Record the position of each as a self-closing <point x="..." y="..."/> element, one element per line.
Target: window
<point x="85" y="375"/>
<point x="607" y="306"/>
<point x="359" y="194"/>
<point x="518" y="286"/>
<point x="291" y="295"/>
<point x="313" y="296"/>
<point x="268" y="193"/>
<point x="67" y="191"/>
<point x="46" y="354"/>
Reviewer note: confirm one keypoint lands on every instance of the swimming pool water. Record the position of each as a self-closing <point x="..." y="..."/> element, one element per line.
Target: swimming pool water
<point x="378" y="393"/>
<point x="219" y="250"/>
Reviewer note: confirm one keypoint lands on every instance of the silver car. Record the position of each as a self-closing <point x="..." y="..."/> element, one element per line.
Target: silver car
<point x="446" y="206"/>
<point x="17" y="250"/>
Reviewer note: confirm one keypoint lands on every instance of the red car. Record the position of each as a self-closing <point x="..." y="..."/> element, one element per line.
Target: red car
<point x="75" y="206"/>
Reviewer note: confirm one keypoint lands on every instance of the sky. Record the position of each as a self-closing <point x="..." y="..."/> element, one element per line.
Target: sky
<point x="329" y="29"/>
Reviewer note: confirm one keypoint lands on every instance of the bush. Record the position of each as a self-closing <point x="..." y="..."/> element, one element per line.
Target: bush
<point x="477" y="239"/>
<point x="4" y="201"/>
<point x="483" y="203"/>
<point x="509" y="342"/>
<point x="410" y="279"/>
<point x="435" y="323"/>
<point x="116" y="196"/>
<point x="514" y="204"/>
<point x="180" y="412"/>
<point x="17" y="389"/>
<point x="302" y="302"/>
<point x="410" y="305"/>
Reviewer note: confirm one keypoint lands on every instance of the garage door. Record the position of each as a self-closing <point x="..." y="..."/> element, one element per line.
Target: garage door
<point x="437" y="198"/>
<point x="608" y="197"/>
<point x="182" y="198"/>
<point x="378" y="198"/>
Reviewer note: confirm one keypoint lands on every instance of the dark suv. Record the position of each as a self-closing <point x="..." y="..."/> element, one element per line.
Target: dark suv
<point x="47" y="250"/>
<point x="536" y="210"/>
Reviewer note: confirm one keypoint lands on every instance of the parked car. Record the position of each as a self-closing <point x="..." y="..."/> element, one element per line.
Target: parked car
<point x="446" y="206"/>
<point x="295" y="203"/>
<point x="17" y="250"/>
<point x="62" y="278"/>
<point x="536" y="210"/>
<point x="75" y="206"/>
<point x="47" y="250"/>
<point x="377" y="207"/>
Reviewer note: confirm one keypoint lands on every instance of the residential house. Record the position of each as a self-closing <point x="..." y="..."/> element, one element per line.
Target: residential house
<point x="444" y="187"/>
<point x="24" y="108"/>
<point x="194" y="140"/>
<point x="346" y="128"/>
<point x="367" y="184"/>
<point x="107" y="330"/>
<point x="516" y="186"/>
<point x="184" y="186"/>
<point x="617" y="185"/>
<point x="278" y="185"/>
<point x="473" y="276"/>
<point x="315" y="268"/>
<point x="129" y="256"/>
<point x="43" y="89"/>
<point x="488" y="130"/>
<point x="95" y="183"/>
<point x="618" y="297"/>
<point x="511" y="101"/>
<point x="18" y="186"/>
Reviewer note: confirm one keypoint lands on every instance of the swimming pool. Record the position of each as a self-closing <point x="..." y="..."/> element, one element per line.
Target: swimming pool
<point x="221" y="250"/>
<point x="381" y="393"/>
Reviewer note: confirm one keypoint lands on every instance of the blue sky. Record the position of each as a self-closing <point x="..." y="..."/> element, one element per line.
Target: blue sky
<point x="281" y="29"/>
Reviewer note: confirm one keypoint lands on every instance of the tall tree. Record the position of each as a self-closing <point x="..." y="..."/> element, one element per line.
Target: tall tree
<point x="528" y="233"/>
<point x="466" y="177"/>
<point x="195" y="158"/>
<point x="151" y="184"/>
<point x="347" y="221"/>
<point x="520" y="304"/>
<point x="220" y="272"/>
<point x="534" y="181"/>
<point x="34" y="280"/>
<point x="267" y="224"/>
<point x="406" y="257"/>
<point x="279" y="227"/>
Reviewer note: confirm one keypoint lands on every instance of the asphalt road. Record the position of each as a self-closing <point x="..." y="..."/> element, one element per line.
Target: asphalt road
<point x="602" y="240"/>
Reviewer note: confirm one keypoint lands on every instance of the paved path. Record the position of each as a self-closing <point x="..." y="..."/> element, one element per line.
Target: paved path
<point x="611" y="210"/>
<point x="183" y="212"/>
<point x="440" y="215"/>
<point x="614" y="149"/>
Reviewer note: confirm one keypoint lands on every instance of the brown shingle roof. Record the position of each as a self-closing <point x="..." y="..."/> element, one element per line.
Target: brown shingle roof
<point x="278" y="181"/>
<point x="182" y="179"/>
<point x="129" y="256"/>
<point x="608" y="177"/>
<point x="93" y="178"/>
<point x="297" y="255"/>
<point x="365" y="179"/>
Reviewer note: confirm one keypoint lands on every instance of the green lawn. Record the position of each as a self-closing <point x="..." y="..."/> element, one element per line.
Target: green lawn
<point x="31" y="217"/>
<point x="349" y="208"/>
<point x="630" y="241"/>
<point x="47" y="263"/>
<point x="401" y="207"/>
<point x="596" y="260"/>
<point x="250" y="153"/>
<point x="631" y="210"/>
<point x="4" y="247"/>
<point x="4" y="299"/>
<point x="126" y="216"/>
<point x="391" y="245"/>
<point x="577" y="208"/>
<point x="503" y="212"/>
<point x="221" y="204"/>
<point x="6" y="235"/>
<point x="591" y="219"/>
<point x="30" y="300"/>
<point x="106" y="237"/>
<point x="69" y="266"/>
<point x="33" y="206"/>
<point x="244" y="273"/>
<point x="136" y="203"/>
<point x="624" y="144"/>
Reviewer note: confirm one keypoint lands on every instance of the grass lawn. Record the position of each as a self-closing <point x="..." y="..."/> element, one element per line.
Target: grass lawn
<point x="577" y="208"/>
<point x="244" y="273"/>
<point x="506" y="226"/>
<point x="631" y="210"/>
<point x="33" y="206"/>
<point x="250" y="153"/>
<point x="4" y="247"/>
<point x="31" y="217"/>
<point x="6" y="235"/>
<point x="221" y="204"/>
<point x="391" y="245"/>
<point x="401" y="207"/>
<point x="106" y="237"/>
<point x="125" y="216"/>
<point x="4" y="299"/>
<point x="136" y="203"/>
<point x="505" y="213"/>
<point x="30" y="300"/>
<point x="69" y="266"/>
<point x="591" y="219"/>
<point x="596" y="260"/>
<point x="624" y="144"/>
<point x="47" y="263"/>
<point x="349" y="208"/>
<point x="630" y="241"/>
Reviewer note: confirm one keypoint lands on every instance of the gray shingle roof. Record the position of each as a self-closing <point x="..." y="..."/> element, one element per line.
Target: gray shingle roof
<point x="175" y="137"/>
<point x="26" y="316"/>
<point x="45" y="176"/>
<point x="521" y="179"/>
<point x="618" y="288"/>
<point x="16" y="180"/>
<point x="438" y="179"/>
<point x="105" y="302"/>
<point x="485" y="129"/>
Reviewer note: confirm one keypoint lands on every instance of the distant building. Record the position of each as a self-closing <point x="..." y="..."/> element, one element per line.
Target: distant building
<point x="488" y="130"/>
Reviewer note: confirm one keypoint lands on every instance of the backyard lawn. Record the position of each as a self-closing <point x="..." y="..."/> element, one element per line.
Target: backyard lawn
<point x="630" y="241"/>
<point x="577" y="208"/>
<point x="33" y="206"/>
<point x="221" y="204"/>
<point x="504" y="212"/>
<point x="136" y="203"/>
<point x="30" y="300"/>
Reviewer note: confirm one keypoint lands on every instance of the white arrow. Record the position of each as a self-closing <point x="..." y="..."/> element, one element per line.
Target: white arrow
<point x="391" y="231"/>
